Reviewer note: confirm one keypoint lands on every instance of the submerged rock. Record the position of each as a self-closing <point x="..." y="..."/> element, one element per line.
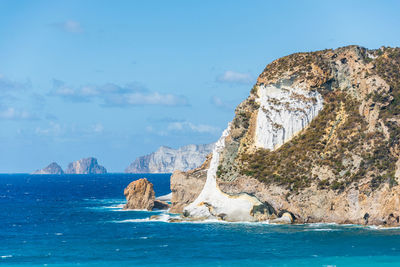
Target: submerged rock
<point x="140" y="195"/>
<point x="85" y="166"/>
<point x="52" y="168"/>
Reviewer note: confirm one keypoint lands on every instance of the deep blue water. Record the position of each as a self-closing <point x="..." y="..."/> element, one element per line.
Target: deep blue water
<point x="77" y="220"/>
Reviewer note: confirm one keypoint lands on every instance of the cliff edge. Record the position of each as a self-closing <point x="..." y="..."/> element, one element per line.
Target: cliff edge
<point x="317" y="139"/>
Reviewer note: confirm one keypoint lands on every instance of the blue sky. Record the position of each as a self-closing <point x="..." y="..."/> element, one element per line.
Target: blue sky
<point x="118" y="79"/>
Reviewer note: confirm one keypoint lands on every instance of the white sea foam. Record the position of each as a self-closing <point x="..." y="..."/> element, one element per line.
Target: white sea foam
<point x="108" y="204"/>
<point x="321" y="230"/>
<point x="6" y="256"/>
<point x="119" y="206"/>
<point x="105" y="201"/>
<point x="133" y="220"/>
<point x="379" y="227"/>
<point x="163" y="217"/>
<point x="320" y="224"/>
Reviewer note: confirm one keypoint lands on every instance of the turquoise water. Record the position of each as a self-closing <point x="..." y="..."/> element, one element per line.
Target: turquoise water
<point x="77" y="220"/>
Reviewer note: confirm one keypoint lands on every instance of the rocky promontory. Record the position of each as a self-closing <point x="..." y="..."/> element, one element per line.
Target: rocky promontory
<point x="317" y="140"/>
<point x="140" y="195"/>
<point x="52" y="168"/>
<point x="167" y="160"/>
<point x="85" y="166"/>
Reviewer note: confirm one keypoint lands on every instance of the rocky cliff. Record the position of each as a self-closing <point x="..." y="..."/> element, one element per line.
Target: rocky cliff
<point x="317" y="139"/>
<point x="85" y="166"/>
<point x="167" y="160"/>
<point x="52" y="168"/>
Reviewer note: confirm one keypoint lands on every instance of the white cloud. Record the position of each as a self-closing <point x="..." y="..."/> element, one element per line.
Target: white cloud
<point x="54" y="129"/>
<point x="149" y="129"/>
<point x="98" y="128"/>
<point x="149" y="98"/>
<point x="7" y="85"/>
<point x="113" y="95"/>
<point x="219" y="103"/>
<point x="188" y="126"/>
<point x="230" y="76"/>
<point x="15" y="114"/>
<point x="71" y="26"/>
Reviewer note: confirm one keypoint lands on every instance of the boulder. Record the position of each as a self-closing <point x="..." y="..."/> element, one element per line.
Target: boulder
<point x="140" y="195"/>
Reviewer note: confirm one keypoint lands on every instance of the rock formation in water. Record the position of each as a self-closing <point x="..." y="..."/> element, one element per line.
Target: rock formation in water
<point x="140" y="195"/>
<point x="85" y="166"/>
<point x="317" y="140"/>
<point x="52" y="168"/>
<point x="167" y="160"/>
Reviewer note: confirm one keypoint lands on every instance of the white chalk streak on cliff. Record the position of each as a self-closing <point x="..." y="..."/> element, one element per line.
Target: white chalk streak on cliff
<point x="283" y="112"/>
<point x="212" y="202"/>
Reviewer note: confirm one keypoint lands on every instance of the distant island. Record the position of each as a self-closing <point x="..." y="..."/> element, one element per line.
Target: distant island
<point x="167" y="160"/>
<point x="85" y="166"/>
<point x="82" y="166"/>
<point x="52" y="168"/>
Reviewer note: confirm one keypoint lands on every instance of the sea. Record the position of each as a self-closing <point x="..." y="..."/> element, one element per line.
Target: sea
<point x="78" y="220"/>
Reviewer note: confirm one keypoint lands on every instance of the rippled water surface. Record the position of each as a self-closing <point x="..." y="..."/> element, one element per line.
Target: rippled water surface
<point x="77" y="220"/>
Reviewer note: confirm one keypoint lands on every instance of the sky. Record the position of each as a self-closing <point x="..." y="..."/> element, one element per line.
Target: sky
<point x="117" y="79"/>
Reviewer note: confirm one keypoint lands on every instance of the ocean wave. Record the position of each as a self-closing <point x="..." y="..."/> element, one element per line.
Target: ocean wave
<point x="309" y="227"/>
<point x="379" y="227"/>
<point x="6" y="256"/>
<point x="105" y="200"/>
<point x="163" y="217"/>
<point x="321" y="230"/>
<point x="133" y="220"/>
<point x="119" y="206"/>
<point x="105" y="204"/>
<point x="319" y="224"/>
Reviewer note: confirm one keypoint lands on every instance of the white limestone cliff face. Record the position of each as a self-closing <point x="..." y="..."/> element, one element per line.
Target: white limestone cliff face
<point x="212" y="203"/>
<point x="283" y="112"/>
<point x="167" y="160"/>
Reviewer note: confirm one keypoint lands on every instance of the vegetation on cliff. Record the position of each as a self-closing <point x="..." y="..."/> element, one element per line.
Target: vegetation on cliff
<point x="355" y="137"/>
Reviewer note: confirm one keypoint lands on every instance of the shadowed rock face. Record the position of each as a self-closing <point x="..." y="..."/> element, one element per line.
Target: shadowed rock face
<point x="52" y="168"/>
<point x="317" y="140"/>
<point x="85" y="166"/>
<point x="140" y="195"/>
<point x="167" y="160"/>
